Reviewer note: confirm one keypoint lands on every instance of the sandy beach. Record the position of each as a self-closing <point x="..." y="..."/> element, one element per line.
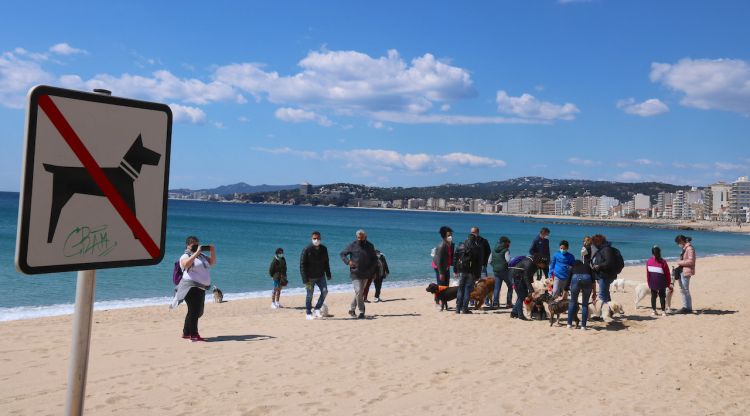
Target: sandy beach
<point x="406" y="358"/>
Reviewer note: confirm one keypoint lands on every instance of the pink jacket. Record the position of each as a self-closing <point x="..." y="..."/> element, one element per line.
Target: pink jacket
<point x="688" y="261"/>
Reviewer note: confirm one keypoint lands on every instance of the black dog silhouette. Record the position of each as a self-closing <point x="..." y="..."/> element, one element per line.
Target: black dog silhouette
<point x="69" y="180"/>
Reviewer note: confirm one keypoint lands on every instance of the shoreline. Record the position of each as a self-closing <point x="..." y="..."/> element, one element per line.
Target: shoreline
<point x="667" y="224"/>
<point x="35" y="312"/>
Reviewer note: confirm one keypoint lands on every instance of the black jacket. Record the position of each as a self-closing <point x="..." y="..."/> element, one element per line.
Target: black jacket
<point x="472" y="245"/>
<point x="525" y="269"/>
<point x="540" y="246"/>
<point x="363" y="258"/>
<point x="443" y="257"/>
<point x="277" y="269"/>
<point x="604" y="262"/>
<point x="486" y="250"/>
<point x="383" y="270"/>
<point x="313" y="263"/>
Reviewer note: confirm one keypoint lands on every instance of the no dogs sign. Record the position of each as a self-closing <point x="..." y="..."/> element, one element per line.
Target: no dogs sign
<point x="95" y="178"/>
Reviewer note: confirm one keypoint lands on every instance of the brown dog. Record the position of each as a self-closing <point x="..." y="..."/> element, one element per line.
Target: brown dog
<point x="482" y="290"/>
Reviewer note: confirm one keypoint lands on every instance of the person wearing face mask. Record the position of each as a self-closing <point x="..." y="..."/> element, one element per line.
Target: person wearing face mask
<point x="540" y="247"/>
<point x="443" y="260"/>
<point x="603" y="264"/>
<point x="277" y="270"/>
<point x="559" y="268"/>
<point x="196" y="278"/>
<point x="500" y="260"/>
<point x="315" y="270"/>
<point x="686" y="271"/>
<point x="586" y="251"/>
<point x="363" y="262"/>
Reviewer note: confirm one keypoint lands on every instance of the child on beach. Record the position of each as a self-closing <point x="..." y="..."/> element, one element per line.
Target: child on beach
<point x="277" y="270"/>
<point x="657" y="277"/>
<point x="559" y="268"/>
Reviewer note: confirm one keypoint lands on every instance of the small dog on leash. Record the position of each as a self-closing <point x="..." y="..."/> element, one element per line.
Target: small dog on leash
<point x="482" y="291"/>
<point x="444" y="296"/>
<point x="595" y="310"/>
<point x="218" y="295"/>
<point x="556" y="307"/>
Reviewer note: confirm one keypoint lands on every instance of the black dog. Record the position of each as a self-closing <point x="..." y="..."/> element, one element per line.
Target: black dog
<point x="444" y="296"/>
<point x="68" y="181"/>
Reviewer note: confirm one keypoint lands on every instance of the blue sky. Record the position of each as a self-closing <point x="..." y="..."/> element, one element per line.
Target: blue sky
<point x="405" y="93"/>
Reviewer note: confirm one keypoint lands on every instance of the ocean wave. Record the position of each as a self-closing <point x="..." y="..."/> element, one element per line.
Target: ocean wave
<point x="32" y="312"/>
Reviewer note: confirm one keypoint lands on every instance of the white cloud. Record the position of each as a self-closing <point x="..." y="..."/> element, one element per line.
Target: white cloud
<point x="18" y="73"/>
<point x="722" y="84"/>
<point x="648" y="108"/>
<point x="445" y="107"/>
<point x="379" y="125"/>
<point x="527" y="106"/>
<point x="644" y="161"/>
<point x="65" y="49"/>
<point x="295" y="115"/>
<point x="583" y="162"/>
<point x="162" y="86"/>
<point x="391" y="160"/>
<point x="406" y="118"/>
<point x="728" y="166"/>
<point x="629" y="176"/>
<point x="686" y="165"/>
<point x="185" y="114"/>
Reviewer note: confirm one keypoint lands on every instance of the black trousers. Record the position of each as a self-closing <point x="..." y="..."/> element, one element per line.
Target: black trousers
<point x="195" y="300"/>
<point x="662" y="298"/>
<point x="378" y="285"/>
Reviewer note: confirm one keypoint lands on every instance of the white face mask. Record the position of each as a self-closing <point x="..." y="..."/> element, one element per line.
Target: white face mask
<point x="280" y="255"/>
<point x="316" y="242"/>
<point x="449" y="239"/>
<point x="562" y="250"/>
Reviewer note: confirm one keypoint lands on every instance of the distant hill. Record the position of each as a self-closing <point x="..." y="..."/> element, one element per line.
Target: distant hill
<point x="240" y="187"/>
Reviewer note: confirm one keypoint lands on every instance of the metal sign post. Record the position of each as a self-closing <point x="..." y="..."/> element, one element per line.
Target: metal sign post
<point x="79" y="349"/>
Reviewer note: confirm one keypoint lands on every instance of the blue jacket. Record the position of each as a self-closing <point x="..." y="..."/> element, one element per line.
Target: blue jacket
<point x="559" y="265"/>
<point x="540" y="246"/>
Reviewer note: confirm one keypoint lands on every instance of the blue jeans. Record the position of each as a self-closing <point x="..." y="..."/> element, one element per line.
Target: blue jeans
<point x="521" y="292"/>
<point x="501" y="277"/>
<point x="687" y="299"/>
<point x="323" y="286"/>
<point x="581" y="284"/>
<point x="465" y="286"/>
<point x="484" y="271"/>
<point x="604" y="283"/>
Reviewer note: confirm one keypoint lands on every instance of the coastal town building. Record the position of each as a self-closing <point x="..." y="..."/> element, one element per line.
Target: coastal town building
<point x="305" y="189"/>
<point x="739" y="197"/>
<point x="716" y="201"/>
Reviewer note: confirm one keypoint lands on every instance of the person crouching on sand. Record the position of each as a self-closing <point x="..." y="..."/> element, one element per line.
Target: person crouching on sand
<point x="523" y="275"/>
<point x="315" y="270"/>
<point x="277" y="270"/>
<point x="362" y="261"/>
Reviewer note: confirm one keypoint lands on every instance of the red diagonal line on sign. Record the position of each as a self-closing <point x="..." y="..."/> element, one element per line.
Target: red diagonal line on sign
<point x="96" y="172"/>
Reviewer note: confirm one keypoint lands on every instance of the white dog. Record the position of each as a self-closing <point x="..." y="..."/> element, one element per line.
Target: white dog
<point x="618" y="285"/>
<point x="642" y="290"/>
<point x="595" y="310"/>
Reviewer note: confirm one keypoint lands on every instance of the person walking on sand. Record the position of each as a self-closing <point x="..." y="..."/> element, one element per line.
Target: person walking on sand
<point x="443" y="259"/>
<point x="500" y="259"/>
<point x="196" y="278"/>
<point x="277" y="270"/>
<point x="315" y="270"/>
<point x="540" y="247"/>
<point x="686" y="271"/>
<point x="362" y="261"/>
<point x="559" y="268"/>
<point x="657" y="277"/>
<point x="468" y="263"/>
<point x="381" y="273"/>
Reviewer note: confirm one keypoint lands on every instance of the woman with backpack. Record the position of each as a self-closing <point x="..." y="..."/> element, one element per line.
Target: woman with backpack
<point x="196" y="278"/>
<point x="686" y="270"/>
<point x="657" y="277"/>
<point x="277" y="270"/>
<point x="606" y="263"/>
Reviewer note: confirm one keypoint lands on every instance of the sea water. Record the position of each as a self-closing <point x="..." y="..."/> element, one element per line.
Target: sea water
<point x="246" y="236"/>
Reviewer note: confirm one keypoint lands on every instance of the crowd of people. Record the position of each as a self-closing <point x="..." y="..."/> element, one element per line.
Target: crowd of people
<point x="466" y="262"/>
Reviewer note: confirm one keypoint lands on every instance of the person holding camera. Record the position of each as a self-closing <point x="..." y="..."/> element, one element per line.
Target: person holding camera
<point x="277" y="270"/>
<point x="196" y="278"/>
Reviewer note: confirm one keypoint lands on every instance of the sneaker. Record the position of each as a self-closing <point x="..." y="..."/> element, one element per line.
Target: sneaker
<point x="513" y="315"/>
<point x="278" y="305"/>
<point x="317" y="314"/>
<point x="584" y="328"/>
<point x="366" y="301"/>
<point x="274" y="305"/>
<point x="309" y="317"/>
<point x="570" y="326"/>
<point x="378" y="300"/>
<point x="664" y="313"/>
<point x="352" y="314"/>
<point x="361" y="316"/>
<point x="186" y="336"/>
<point x="654" y="313"/>
<point x="466" y="311"/>
<point x="197" y="338"/>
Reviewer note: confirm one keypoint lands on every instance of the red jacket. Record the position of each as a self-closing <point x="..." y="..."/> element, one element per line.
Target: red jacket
<point x="657" y="274"/>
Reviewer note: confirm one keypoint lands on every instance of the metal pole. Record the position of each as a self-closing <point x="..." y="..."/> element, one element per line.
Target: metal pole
<point x="79" y="350"/>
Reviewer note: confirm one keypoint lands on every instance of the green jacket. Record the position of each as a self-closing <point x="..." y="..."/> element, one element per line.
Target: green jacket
<point x="277" y="269"/>
<point x="499" y="263"/>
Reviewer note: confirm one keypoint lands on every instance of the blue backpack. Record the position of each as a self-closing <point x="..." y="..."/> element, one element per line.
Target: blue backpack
<point x="176" y="273"/>
<point x="515" y="260"/>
